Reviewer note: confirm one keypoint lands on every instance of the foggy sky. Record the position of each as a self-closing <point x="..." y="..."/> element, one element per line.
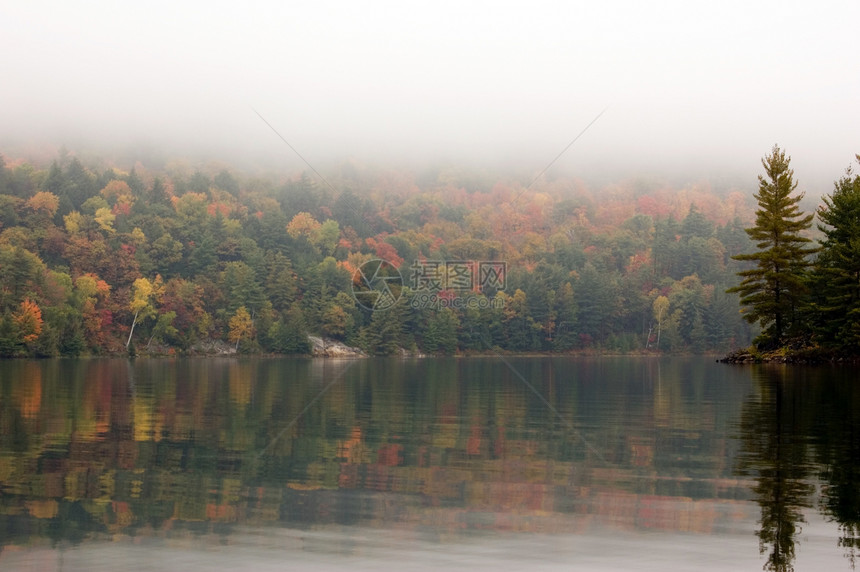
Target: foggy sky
<point x="691" y="87"/>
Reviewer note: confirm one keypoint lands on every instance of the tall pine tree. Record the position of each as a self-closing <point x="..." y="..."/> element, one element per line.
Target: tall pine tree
<point x="836" y="278"/>
<point x="773" y="289"/>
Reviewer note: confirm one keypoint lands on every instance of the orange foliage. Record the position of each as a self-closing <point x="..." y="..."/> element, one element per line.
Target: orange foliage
<point x="637" y="261"/>
<point x="384" y="251"/>
<point x="648" y="205"/>
<point x="348" y="266"/>
<point x="30" y="390"/>
<point x="28" y="319"/>
<point x="214" y="208"/>
<point x="116" y="189"/>
<point x="44" y="202"/>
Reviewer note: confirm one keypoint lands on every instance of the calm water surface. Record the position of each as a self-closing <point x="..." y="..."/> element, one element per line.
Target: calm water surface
<point x="466" y="464"/>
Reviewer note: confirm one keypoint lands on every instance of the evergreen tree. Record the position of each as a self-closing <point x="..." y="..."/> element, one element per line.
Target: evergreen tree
<point x="199" y="183"/>
<point x="665" y="249"/>
<point x="135" y="183"/>
<point x="598" y="303"/>
<point x="289" y="335"/>
<point x="383" y="336"/>
<point x="837" y="270"/>
<point x="5" y="187"/>
<point x="773" y="289"/>
<point x="696" y="225"/>
<point x="225" y="181"/>
<point x="441" y="336"/>
<point x="566" y="326"/>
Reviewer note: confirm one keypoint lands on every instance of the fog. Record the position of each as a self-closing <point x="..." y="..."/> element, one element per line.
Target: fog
<point x="698" y="89"/>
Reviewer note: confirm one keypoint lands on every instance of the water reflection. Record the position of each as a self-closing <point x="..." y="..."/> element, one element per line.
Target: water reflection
<point x="799" y="429"/>
<point x="169" y="450"/>
<point x="775" y="452"/>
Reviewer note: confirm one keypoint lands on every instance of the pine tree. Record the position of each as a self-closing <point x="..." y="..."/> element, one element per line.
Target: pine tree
<point x="773" y="290"/>
<point x="836" y="277"/>
<point x="441" y="336"/>
<point x="290" y="333"/>
<point x="383" y="336"/>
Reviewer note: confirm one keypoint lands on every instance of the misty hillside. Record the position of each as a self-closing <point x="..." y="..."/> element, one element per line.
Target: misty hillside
<point x="186" y="255"/>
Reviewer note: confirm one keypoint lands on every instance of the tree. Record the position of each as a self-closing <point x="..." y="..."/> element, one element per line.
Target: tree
<point x="240" y="286"/>
<point x="290" y="333"/>
<point x="441" y="336"/>
<point x="241" y="326"/>
<point x="281" y="285"/>
<point x="142" y="301"/>
<point x="44" y="203"/>
<point x="164" y="328"/>
<point x="774" y="288"/>
<point x="383" y="336"/>
<point x="28" y="321"/>
<point x="837" y="270"/>
<point x="520" y="327"/>
<point x="661" y="309"/>
<point x="565" y="335"/>
<point x="598" y="302"/>
<point x="303" y="225"/>
<point x="334" y="321"/>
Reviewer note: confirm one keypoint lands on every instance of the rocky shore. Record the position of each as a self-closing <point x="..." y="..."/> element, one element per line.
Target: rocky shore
<point x="806" y="355"/>
<point x="322" y="347"/>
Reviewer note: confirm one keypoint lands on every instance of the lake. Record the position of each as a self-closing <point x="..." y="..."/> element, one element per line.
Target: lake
<point x="415" y="464"/>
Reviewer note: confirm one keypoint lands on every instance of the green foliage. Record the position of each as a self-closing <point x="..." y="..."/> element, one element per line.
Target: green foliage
<point x="441" y="335"/>
<point x="384" y="334"/>
<point x="583" y="270"/>
<point x="289" y="335"/>
<point x="774" y="289"/>
<point x="836" y="276"/>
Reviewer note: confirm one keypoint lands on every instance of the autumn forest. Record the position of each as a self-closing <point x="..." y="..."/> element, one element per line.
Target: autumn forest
<point x="100" y="259"/>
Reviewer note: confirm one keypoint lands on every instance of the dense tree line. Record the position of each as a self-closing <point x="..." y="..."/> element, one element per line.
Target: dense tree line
<point x="99" y="260"/>
<point x="802" y="295"/>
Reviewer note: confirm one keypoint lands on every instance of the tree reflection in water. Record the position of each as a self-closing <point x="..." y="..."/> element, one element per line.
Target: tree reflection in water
<point x="801" y="425"/>
<point x="106" y="450"/>
<point x="837" y="446"/>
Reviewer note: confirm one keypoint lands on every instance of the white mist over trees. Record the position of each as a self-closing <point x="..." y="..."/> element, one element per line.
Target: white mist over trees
<point x="693" y="88"/>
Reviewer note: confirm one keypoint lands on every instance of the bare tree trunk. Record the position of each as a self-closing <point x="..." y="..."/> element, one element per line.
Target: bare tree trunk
<point x="133" y="322"/>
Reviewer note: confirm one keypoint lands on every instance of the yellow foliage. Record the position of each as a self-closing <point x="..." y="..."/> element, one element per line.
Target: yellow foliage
<point x="44" y="202"/>
<point x="303" y="224"/>
<point x="241" y="325"/>
<point x="42" y="508"/>
<point x="105" y="218"/>
<point x="73" y="221"/>
<point x="138" y="237"/>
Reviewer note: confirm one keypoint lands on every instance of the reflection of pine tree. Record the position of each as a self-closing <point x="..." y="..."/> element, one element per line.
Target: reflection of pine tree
<point x="774" y="451"/>
<point x="838" y="449"/>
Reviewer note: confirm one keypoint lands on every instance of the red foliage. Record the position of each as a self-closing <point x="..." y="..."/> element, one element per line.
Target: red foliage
<point x="121" y="208"/>
<point x="384" y="251"/>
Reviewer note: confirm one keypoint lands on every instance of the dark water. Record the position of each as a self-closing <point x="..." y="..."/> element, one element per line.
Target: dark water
<point x="478" y="464"/>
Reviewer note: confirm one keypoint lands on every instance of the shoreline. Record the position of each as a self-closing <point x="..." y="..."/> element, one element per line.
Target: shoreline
<point x="789" y="356"/>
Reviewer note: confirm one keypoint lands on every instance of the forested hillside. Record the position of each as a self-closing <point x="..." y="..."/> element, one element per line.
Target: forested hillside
<point x="96" y="259"/>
